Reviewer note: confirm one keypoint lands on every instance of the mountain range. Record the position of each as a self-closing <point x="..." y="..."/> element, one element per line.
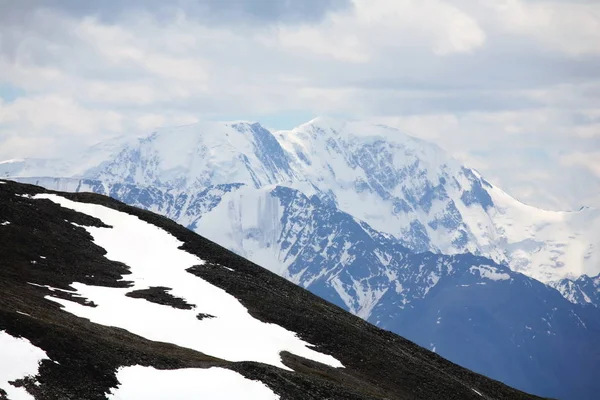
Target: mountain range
<point x="101" y="300"/>
<point x="388" y="227"/>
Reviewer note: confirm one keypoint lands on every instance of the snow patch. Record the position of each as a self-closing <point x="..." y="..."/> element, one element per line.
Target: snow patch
<point x="491" y="273"/>
<point x="155" y="259"/>
<point x="147" y="383"/>
<point x="19" y="359"/>
<point x="399" y="288"/>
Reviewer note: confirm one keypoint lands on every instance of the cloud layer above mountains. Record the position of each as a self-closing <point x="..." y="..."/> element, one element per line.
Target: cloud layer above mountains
<point x="510" y="86"/>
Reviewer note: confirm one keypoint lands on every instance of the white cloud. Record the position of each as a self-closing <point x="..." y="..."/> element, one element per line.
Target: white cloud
<point x="372" y="26"/>
<point x="567" y="26"/>
<point x="590" y="160"/>
<point x="55" y="113"/>
<point x="489" y="81"/>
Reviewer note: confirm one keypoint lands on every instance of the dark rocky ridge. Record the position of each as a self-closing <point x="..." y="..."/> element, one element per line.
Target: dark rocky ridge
<point x="378" y="364"/>
<point x="160" y="295"/>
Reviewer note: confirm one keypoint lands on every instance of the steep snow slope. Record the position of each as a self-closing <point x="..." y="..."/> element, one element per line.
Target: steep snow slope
<point x="547" y="245"/>
<point x="147" y="249"/>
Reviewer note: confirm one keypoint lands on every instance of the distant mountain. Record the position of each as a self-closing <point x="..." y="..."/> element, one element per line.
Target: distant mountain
<point x="378" y="223"/>
<point x="397" y="184"/>
<point x="102" y="300"/>
<point x="583" y="290"/>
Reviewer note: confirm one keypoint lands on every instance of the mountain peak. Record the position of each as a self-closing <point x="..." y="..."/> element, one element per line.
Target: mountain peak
<point x="200" y="155"/>
<point x="399" y="185"/>
<point x="325" y="121"/>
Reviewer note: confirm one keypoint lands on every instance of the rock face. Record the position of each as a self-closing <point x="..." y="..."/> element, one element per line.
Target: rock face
<point x="103" y="300"/>
<point x="378" y="223"/>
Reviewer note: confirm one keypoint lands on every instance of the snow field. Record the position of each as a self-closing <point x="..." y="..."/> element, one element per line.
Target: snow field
<point x="18" y="359"/>
<point x="147" y="383"/>
<point x="155" y="259"/>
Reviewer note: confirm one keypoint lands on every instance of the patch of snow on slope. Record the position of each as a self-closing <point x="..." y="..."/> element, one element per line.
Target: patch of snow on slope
<point x="155" y="259"/>
<point x="491" y="273"/>
<point x="147" y="383"/>
<point x="348" y="300"/>
<point x="367" y="298"/>
<point x="18" y="359"/>
<point x="432" y="280"/>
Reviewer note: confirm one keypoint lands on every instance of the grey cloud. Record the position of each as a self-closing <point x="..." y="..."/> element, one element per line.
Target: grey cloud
<point x="21" y="18"/>
<point x="423" y="103"/>
<point x="490" y="69"/>
<point x="209" y="11"/>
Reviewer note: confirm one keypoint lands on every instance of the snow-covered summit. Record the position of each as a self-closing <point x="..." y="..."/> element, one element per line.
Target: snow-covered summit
<point x="399" y="185"/>
<point x="199" y="155"/>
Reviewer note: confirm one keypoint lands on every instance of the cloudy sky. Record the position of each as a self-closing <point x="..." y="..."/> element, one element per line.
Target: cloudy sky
<point x="512" y="87"/>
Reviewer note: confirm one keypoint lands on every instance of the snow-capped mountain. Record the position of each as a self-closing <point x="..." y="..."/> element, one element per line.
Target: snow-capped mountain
<point x="416" y="192"/>
<point x="101" y="300"/>
<point x="342" y="208"/>
<point x="399" y="185"/>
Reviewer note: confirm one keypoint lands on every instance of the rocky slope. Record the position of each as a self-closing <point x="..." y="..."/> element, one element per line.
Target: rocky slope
<point x="103" y="300"/>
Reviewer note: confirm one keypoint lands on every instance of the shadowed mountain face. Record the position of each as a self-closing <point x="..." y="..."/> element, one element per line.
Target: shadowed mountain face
<point x="67" y="293"/>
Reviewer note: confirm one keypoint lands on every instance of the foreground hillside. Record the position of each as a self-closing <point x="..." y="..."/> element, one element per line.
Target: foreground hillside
<point x="117" y="302"/>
